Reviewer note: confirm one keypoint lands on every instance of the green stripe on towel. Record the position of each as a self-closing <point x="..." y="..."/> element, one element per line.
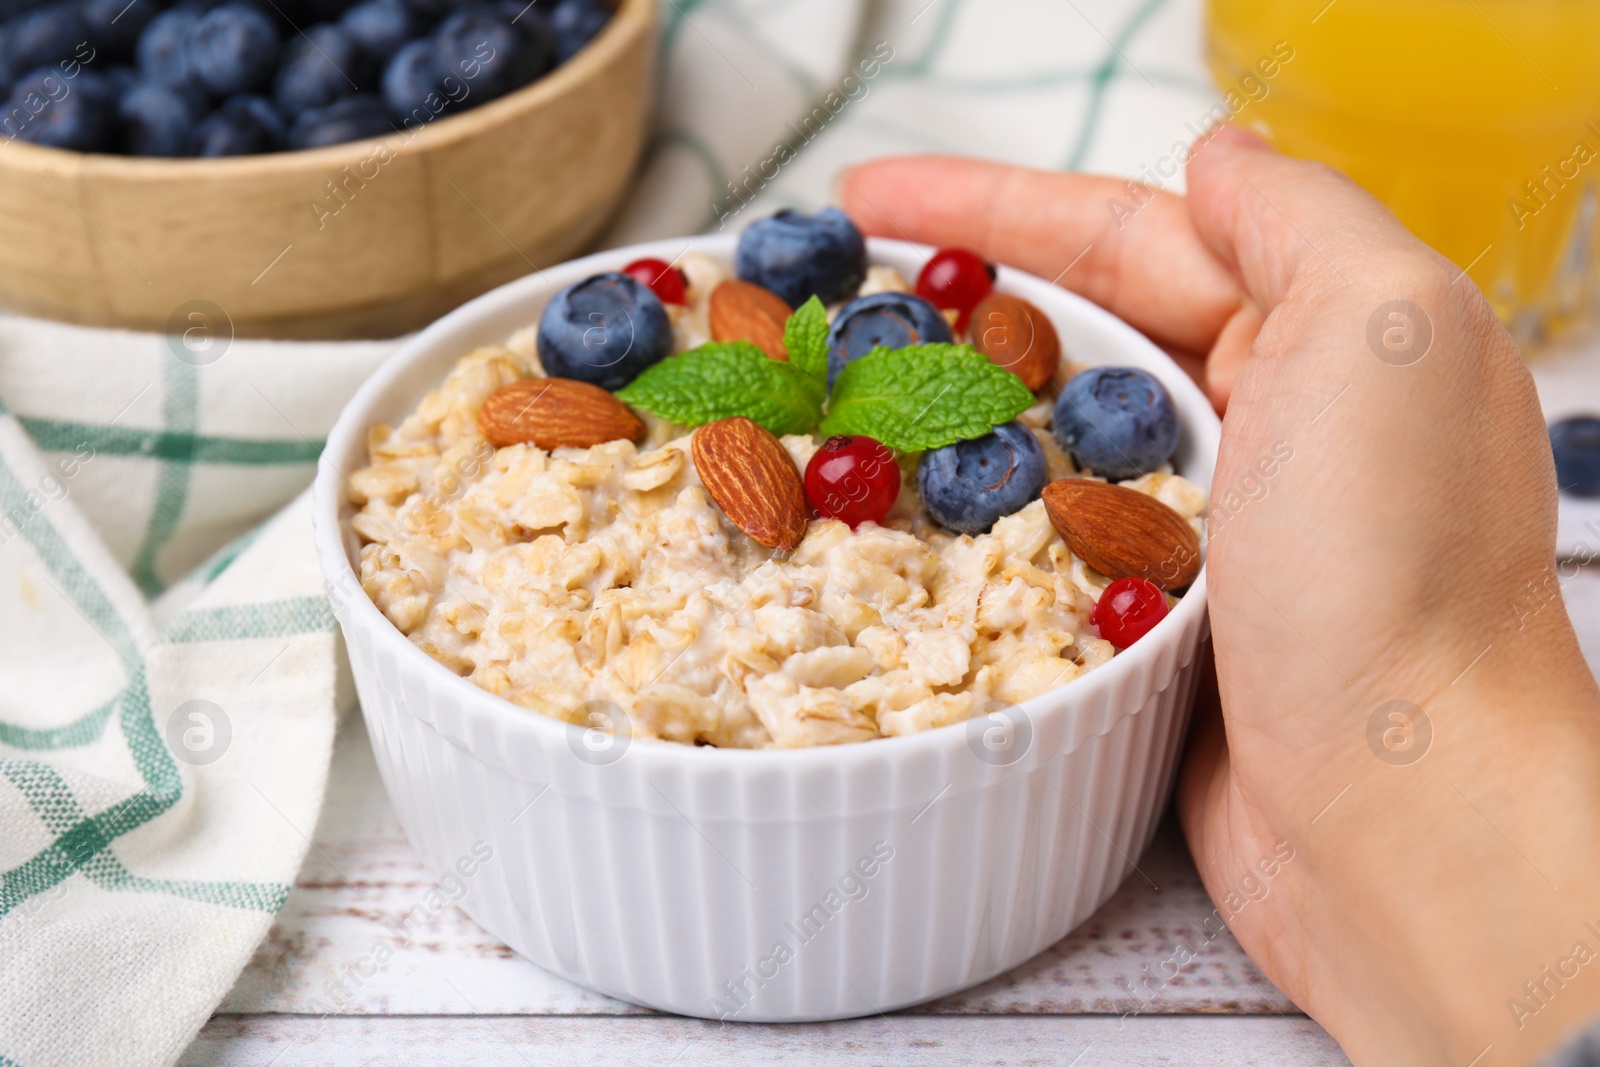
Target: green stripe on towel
<point x="57" y="435"/>
<point x="239" y="622"/>
<point x="52" y="798"/>
<point x="81" y="731"/>
<point x="181" y="412"/>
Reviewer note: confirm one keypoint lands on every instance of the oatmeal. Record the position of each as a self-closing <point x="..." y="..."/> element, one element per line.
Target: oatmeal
<point x="557" y="579"/>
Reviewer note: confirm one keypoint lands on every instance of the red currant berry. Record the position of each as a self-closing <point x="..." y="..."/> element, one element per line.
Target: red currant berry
<point x="956" y="279"/>
<point x="665" y="280"/>
<point x="853" y="479"/>
<point x="1129" y="609"/>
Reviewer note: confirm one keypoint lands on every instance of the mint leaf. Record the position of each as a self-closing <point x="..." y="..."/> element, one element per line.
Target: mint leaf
<point x="805" y="335"/>
<point x="721" y="380"/>
<point x="925" y="396"/>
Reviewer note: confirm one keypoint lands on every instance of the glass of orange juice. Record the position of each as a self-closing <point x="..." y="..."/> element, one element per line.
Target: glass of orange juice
<point x="1476" y="121"/>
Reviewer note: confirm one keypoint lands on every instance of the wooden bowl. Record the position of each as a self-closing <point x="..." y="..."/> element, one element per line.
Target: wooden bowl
<point x="371" y="238"/>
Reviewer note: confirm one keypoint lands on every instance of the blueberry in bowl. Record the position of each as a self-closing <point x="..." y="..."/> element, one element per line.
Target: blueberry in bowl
<point x="480" y="45"/>
<point x="233" y="49"/>
<point x="244" y="125"/>
<point x="324" y="65"/>
<point x="120" y="77"/>
<point x="42" y="37"/>
<point x="158" y="119"/>
<point x="419" y="59"/>
<point x="381" y="27"/>
<point x="575" y="23"/>
<point x="1118" y="422"/>
<point x="969" y="485"/>
<point x="162" y="52"/>
<point x="45" y="109"/>
<point x="605" y="330"/>
<point x="413" y="85"/>
<point x="304" y="11"/>
<point x="351" y="118"/>
<point x="429" y="12"/>
<point x="800" y="256"/>
<point x="888" y="320"/>
<point x="114" y="26"/>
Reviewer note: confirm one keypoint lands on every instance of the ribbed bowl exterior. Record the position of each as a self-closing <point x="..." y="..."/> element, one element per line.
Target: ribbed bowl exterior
<point x="673" y="888"/>
<point x="768" y="886"/>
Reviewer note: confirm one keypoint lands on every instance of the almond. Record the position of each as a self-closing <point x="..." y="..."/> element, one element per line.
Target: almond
<point x="750" y="475"/>
<point x="741" y="311"/>
<point x="1122" y="533"/>
<point x="556" y="413"/>
<point x="1017" y="336"/>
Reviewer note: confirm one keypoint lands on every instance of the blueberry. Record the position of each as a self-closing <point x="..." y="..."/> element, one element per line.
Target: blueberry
<point x="324" y="10"/>
<point x="302" y="14"/>
<point x="157" y="120"/>
<point x="800" y="256"/>
<point x="429" y="12"/>
<point x="233" y="49"/>
<point x="1576" y="444"/>
<point x="1116" y="421"/>
<point x="968" y="485"/>
<point x="243" y="126"/>
<point x="45" y="37"/>
<point x="119" y="79"/>
<point x="575" y="23"/>
<point x="355" y="118"/>
<point x="114" y="26"/>
<point x="10" y="9"/>
<point x="162" y="54"/>
<point x="514" y="11"/>
<point x="288" y="16"/>
<point x="606" y="331"/>
<point x="380" y="27"/>
<point x="534" y="25"/>
<point x="893" y="320"/>
<point x="320" y="67"/>
<point x="48" y="108"/>
<point x="413" y="84"/>
<point x="478" y="45"/>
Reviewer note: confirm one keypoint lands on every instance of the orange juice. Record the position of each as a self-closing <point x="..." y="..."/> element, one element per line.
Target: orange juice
<point x="1477" y="121"/>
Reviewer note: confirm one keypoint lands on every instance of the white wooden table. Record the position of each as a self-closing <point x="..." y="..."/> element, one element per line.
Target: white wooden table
<point x="452" y="994"/>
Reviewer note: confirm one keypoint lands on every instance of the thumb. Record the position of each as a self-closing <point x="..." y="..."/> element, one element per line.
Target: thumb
<point x="1279" y="222"/>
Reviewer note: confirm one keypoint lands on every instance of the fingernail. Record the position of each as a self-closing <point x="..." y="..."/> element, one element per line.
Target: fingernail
<point x="1239" y="136"/>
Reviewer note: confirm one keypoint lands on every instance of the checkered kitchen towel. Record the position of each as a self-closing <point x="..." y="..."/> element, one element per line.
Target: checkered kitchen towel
<point x="168" y="666"/>
<point x="163" y="751"/>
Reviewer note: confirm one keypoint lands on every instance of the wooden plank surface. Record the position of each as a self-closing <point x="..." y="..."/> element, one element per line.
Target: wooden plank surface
<point x="665" y="1041"/>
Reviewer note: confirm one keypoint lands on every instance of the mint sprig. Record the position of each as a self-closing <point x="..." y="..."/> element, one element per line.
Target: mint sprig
<point x="723" y="379"/>
<point x="805" y="335"/>
<point x="922" y="397"/>
<point x="912" y="399"/>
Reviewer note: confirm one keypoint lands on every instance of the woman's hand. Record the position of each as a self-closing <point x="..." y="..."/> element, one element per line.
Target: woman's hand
<point x="1446" y="848"/>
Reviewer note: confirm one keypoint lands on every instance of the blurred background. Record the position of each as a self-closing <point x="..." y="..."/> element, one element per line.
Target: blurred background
<point x="516" y="134"/>
<point x="1473" y="119"/>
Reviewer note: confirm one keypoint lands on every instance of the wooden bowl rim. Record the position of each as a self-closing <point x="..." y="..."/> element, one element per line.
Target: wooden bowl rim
<point x="632" y="18"/>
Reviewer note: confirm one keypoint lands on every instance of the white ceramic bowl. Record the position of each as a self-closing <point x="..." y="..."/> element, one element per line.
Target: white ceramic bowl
<point x="820" y="883"/>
